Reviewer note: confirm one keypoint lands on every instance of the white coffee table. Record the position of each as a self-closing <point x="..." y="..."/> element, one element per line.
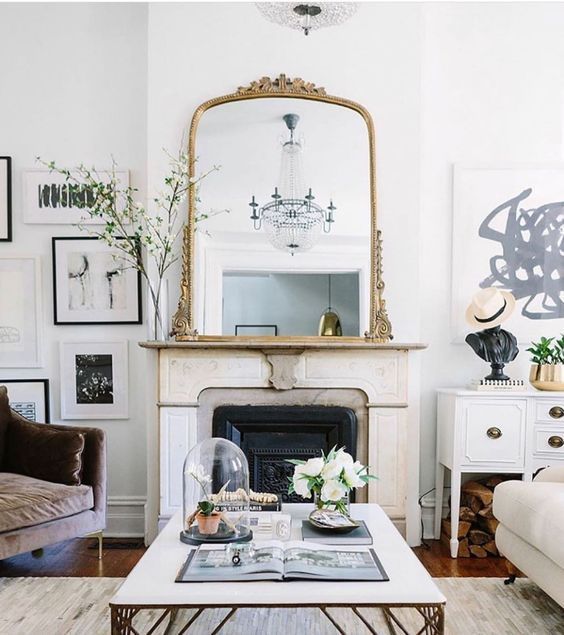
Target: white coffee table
<point x="150" y="585"/>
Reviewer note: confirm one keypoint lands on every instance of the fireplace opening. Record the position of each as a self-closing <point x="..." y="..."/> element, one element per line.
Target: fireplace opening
<point x="270" y="435"/>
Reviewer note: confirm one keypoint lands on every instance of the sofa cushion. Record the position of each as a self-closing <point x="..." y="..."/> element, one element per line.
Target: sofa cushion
<point x="27" y="501"/>
<point x="535" y="513"/>
<point x="35" y="449"/>
<point x="5" y="416"/>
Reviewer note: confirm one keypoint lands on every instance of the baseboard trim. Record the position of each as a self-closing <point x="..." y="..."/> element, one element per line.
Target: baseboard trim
<point x="428" y="515"/>
<point x="125" y="517"/>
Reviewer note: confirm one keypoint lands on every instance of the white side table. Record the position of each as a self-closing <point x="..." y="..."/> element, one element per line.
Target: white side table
<point x="494" y="433"/>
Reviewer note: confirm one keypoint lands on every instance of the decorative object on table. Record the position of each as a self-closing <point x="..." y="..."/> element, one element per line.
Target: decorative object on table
<point x="29" y="398"/>
<point x="506" y="234"/>
<point x="49" y="197"/>
<point x="256" y="329"/>
<point x="307" y="17"/>
<point x="20" y="312"/>
<point x="5" y="199"/>
<point x="547" y="370"/>
<point x="488" y="309"/>
<point x="330" y="323"/>
<point x="509" y="385"/>
<point x="329" y="478"/>
<point x="259" y="501"/>
<point x="132" y="229"/>
<point x="292" y="221"/>
<point x="357" y="535"/>
<point x="94" y="380"/>
<point x="94" y="283"/>
<point x="216" y="494"/>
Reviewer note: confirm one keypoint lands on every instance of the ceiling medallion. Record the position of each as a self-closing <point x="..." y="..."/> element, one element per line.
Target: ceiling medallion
<point x="307" y="17"/>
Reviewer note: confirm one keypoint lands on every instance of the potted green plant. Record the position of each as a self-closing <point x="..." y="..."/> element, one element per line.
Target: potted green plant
<point x="547" y="370"/>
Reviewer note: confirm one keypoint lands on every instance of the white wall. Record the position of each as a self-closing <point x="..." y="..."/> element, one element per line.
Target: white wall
<point x="73" y="88"/>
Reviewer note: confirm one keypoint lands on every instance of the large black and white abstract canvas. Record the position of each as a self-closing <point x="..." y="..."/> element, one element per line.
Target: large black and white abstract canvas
<point x="5" y="199"/>
<point x="508" y="232"/>
<point x="48" y="198"/>
<point x="93" y="284"/>
<point x="94" y="380"/>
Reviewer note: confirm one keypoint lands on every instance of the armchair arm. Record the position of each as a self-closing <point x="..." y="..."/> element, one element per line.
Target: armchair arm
<point x="553" y="474"/>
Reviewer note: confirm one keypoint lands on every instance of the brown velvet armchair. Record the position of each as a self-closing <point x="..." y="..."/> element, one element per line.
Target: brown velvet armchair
<point x="52" y="482"/>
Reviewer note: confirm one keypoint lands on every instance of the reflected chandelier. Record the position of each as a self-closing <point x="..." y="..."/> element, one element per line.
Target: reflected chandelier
<point x="292" y="221"/>
<point x="307" y="16"/>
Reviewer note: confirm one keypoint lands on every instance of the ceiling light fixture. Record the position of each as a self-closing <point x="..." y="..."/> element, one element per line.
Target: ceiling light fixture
<point x="307" y="17"/>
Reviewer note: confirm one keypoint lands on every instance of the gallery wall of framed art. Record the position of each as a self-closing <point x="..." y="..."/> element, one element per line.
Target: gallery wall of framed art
<point x="30" y="398"/>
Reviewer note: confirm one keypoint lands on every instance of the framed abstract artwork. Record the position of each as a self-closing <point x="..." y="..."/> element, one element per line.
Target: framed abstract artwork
<point x="29" y="398"/>
<point x="5" y="199"/>
<point x="93" y="284"/>
<point x="94" y="380"/>
<point x="49" y="199"/>
<point x="507" y="233"/>
<point x="20" y="312"/>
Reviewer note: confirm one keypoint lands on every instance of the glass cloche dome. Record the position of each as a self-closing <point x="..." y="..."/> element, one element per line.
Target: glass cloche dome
<point x="216" y="494"/>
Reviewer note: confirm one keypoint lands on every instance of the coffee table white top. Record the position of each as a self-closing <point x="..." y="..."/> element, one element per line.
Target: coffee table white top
<point x="151" y="582"/>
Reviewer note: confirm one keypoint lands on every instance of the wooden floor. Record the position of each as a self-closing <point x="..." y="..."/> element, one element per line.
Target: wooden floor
<point x="79" y="558"/>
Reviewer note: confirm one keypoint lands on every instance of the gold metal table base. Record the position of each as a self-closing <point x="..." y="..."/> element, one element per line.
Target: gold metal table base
<point x="433" y="618"/>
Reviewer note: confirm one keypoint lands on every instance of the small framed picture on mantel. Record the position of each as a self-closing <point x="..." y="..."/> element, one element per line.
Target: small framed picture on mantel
<point x="5" y="199"/>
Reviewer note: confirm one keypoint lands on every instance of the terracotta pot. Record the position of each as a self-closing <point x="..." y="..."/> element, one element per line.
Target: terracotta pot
<point x="208" y="525"/>
<point x="547" y="376"/>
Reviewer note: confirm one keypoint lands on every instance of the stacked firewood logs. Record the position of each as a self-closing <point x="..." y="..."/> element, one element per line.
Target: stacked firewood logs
<point x="477" y="525"/>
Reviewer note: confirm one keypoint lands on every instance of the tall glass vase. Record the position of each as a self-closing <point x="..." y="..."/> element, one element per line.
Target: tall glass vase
<point x="158" y="321"/>
<point x="343" y="505"/>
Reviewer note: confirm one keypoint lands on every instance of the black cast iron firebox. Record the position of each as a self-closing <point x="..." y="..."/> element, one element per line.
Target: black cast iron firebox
<point x="270" y="435"/>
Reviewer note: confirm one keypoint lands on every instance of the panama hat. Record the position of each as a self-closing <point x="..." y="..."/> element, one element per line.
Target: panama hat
<point x="489" y="308"/>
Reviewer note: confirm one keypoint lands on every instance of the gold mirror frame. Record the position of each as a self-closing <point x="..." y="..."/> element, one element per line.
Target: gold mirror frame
<point x="183" y="321"/>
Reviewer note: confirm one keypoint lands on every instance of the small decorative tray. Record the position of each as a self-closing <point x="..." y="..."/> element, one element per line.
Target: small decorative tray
<point x="341" y="525"/>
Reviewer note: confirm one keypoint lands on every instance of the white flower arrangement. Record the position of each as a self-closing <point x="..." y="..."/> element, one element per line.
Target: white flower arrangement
<point x="329" y="477"/>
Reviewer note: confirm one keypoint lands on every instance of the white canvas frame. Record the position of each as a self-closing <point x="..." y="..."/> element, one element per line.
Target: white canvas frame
<point x="477" y="190"/>
<point x="20" y="312"/>
<point x="5" y="199"/>
<point x="29" y="397"/>
<point x="34" y="214"/>
<point x="70" y="408"/>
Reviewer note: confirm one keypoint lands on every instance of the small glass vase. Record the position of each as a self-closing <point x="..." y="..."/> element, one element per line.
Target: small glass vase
<point x="343" y="506"/>
<point x="158" y="318"/>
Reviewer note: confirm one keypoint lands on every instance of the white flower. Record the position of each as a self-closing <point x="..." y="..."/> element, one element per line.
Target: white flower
<point x="333" y="490"/>
<point x="343" y="457"/>
<point x="352" y="472"/>
<point x="197" y="472"/>
<point x="332" y="470"/>
<point x="312" y="467"/>
<point x="300" y="482"/>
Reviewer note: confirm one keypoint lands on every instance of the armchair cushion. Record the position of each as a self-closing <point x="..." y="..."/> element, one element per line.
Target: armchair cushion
<point x="42" y="452"/>
<point x="5" y="416"/>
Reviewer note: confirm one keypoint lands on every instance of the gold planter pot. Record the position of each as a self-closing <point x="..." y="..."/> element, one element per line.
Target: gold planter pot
<point x="547" y="376"/>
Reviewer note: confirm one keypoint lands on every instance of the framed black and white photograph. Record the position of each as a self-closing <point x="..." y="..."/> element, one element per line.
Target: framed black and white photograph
<point x="29" y="398"/>
<point x="256" y="329"/>
<point x="48" y="198"/>
<point x="94" y="380"/>
<point x="93" y="284"/>
<point x="5" y="199"/>
<point x="20" y="312"/>
<point x="507" y="233"/>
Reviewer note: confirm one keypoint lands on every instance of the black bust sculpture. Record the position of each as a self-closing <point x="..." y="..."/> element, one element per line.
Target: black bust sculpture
<point x="492" y="344"/>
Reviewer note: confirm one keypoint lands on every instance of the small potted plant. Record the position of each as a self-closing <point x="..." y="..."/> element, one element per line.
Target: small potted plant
<point x="206" y="515"/>
<point x="547" y="370"/>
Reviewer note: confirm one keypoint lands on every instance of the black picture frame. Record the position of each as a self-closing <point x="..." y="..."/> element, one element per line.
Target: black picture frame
<point x="57" y="320"/>
<point x="273" y="327"/>
<point x="7" y="238"/>
<point x="46" y="400"/>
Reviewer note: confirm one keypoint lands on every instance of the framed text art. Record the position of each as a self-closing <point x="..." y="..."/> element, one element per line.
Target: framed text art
<point x="20" y="312"/>
<point x="29" y="398"/>
<point x="507" y="233"/>
<point x="48" y="198"/>
<point x="5" y="199"/>
<point x="94" y="380"/>
<point x="93" y="284"/>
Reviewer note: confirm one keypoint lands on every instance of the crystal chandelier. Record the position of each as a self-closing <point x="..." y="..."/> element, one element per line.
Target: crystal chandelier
<point x="292" y="221"/>
<point x="307" y="16"/>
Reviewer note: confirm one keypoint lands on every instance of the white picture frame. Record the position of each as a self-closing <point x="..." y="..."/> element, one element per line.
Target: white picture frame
<point x="49" y="200"/>
<point x="20" y="312"/>
<point x="5" y="199"/>
<point x="93" y="283"/>
<point x="489" y="251"/>
<point x="94" y="380"/>
<point x="29" y="398"/>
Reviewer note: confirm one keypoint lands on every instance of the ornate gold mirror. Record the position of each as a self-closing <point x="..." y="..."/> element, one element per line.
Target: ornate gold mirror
<point x="290" y="246"/>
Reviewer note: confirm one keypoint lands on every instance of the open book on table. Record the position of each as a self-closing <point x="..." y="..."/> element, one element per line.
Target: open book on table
<point x="275" y="560"/>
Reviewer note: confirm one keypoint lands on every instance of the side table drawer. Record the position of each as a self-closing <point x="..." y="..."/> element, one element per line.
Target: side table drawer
<point x="494" y="432"/>
<point x="549" y="441"/>
<point x="550" y="410"/>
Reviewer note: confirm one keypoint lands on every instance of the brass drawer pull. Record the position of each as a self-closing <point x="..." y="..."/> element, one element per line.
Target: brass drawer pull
<point x="556" y="412"/>
<point x="494" y="433"/>
<point x="555" y="441"/>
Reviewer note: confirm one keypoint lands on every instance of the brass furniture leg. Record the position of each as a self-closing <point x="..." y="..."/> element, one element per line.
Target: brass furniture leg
<point x="99" y="535"/>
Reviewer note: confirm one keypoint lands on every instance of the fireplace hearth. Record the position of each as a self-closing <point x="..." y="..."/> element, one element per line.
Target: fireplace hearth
<point x="270" y="435"/>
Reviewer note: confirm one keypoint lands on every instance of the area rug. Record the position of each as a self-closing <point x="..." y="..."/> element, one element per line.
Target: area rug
<point x="79" y="606"/>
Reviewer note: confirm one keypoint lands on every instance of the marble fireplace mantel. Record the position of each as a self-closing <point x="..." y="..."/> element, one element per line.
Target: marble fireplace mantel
<point x="273" y="370"/>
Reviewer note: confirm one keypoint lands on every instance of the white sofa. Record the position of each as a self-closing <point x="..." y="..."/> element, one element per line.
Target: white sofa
<point x="531" y="530"/>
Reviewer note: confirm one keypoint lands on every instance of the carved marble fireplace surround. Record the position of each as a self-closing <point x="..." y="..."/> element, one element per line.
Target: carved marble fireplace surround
<point x="194" y="378"/>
